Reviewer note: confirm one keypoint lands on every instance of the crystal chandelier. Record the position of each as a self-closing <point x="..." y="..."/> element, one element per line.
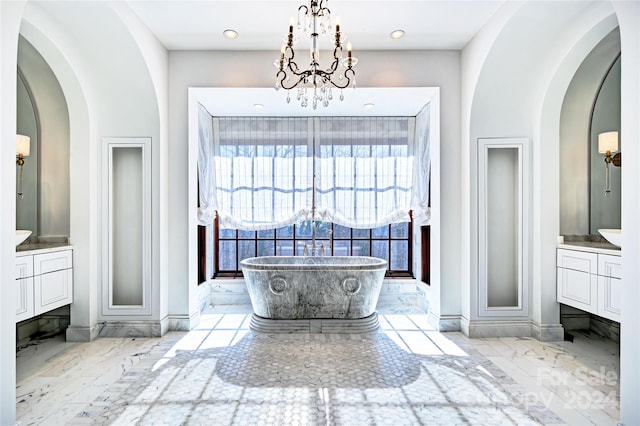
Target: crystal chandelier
<point x="315" y="84"/>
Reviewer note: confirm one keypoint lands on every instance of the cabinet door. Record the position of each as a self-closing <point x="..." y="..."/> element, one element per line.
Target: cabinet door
<point x="53" y="290"/>
<point x="24" y="299"/>
<point x="609" y="298"/>
<point x="578" y="289"/>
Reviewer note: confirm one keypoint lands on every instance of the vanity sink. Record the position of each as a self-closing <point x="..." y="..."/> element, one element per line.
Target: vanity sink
<point x="21" y="235"/>
<point x="614" y="236"/>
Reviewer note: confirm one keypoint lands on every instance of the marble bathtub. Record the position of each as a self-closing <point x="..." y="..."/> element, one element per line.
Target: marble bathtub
<point x="340" y="288"/>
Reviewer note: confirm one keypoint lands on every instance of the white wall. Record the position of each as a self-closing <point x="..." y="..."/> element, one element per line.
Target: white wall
<point x="255" y="69"/>
<point x="10" y="15"/>
<point x="628" y="14"/>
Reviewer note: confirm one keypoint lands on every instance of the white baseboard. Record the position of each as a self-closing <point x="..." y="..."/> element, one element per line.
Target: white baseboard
<point x="134" y="328"/>
<point x="184" y="322"/>
<point x="547" y="332"/>
<point x="82" y="333"/>
<point x="512" y="328"/>
<point x="444" y="323"/>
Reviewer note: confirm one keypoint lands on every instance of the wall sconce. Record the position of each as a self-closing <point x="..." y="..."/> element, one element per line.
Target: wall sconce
<point x="23" y="149"/>
<point x="608" y="143"/>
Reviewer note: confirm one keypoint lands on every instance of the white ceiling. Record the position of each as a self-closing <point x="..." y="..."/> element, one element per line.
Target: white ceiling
<point x="198" y="25"/>
<point x="261" y="24"/>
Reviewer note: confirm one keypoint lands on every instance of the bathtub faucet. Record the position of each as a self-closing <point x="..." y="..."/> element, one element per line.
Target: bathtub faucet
<point x="313" y="248"/>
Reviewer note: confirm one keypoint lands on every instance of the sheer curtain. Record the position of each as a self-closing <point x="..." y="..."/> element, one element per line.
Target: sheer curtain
<point x="263" y="171"/>
<point x="364" y="170"/>
<point x="258" y="173"/>
<point x="206" y="176"/>
<point x="422" y="169"/>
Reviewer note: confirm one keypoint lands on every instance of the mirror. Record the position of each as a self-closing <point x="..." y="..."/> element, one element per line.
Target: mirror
<point x="42" y="114"/>
<point x="591" y="105"/>
<point x="605" y="211"/>
<point x="27" y="124"/>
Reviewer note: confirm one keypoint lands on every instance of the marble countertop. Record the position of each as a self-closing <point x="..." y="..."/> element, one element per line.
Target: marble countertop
<point x="601" y="247"/>
<point x="39" y="248"/>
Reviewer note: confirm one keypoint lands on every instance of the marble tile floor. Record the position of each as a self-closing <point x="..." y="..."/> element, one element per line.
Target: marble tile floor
<point x="221" y="373"/>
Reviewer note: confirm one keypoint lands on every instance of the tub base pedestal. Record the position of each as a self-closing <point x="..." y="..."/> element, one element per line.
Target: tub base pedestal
<point x="316" y="326"/>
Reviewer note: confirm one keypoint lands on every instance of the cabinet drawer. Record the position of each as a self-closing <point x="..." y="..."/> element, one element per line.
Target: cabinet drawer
<point x="578" y="261"/>
<point x="53" y="290"/>
<point x="610" y="266"/>
<point x="51" y="262"/>
<point x="24" y="267"/>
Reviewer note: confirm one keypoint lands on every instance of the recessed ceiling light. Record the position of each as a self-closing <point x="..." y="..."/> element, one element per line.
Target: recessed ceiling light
<point x="258" y="106"/>
<point x="230" y="34"/>
<point x="369" y="106"/>
<point x="396" y="34"/>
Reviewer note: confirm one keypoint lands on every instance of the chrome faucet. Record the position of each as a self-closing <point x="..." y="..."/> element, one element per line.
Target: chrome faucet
<point x="313" y="248"/>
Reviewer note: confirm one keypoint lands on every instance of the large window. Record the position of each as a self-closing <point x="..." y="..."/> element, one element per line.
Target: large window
<point x="267" y="179"/>
<point x="390" y="242"/>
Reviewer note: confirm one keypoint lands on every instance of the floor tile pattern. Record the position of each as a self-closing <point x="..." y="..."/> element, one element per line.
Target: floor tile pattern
<point x="222" y="373"/>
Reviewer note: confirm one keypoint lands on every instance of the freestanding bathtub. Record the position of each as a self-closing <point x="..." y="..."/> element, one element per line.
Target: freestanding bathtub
<point x="310" y="288"/>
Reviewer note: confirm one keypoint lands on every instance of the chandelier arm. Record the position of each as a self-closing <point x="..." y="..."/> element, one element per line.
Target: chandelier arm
<point x="320" y="5"/>
<point x="336" y="62"/>
<point x="301" y="76"/>
<point x="321" y="11"/>
<point x="349" y="74"/>
<point x="295" y="70"/>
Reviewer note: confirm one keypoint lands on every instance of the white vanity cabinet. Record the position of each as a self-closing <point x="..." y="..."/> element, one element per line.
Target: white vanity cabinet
<point x="590" y="281"/>
<point x="45" y="282"/>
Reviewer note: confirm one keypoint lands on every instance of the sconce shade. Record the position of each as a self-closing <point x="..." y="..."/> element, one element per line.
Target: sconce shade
<point x="23" y="145"/>
<point x="607" y="141"/>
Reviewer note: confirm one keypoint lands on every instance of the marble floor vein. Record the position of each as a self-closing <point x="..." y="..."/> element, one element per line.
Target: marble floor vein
<point x="222" y="373"/>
